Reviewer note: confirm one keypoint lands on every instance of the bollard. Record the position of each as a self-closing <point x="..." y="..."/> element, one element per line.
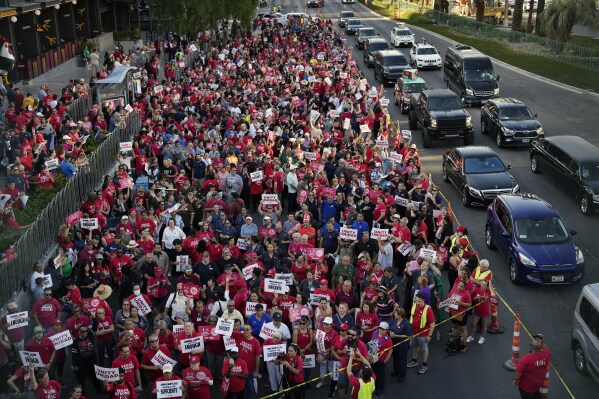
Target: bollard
<point x="544" y="391"/>
<point x="511" y="364"/>
<point x="494" y="328"/>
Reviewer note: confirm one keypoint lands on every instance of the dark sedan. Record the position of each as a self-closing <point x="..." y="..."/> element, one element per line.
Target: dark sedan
<point x="510" y="121"/>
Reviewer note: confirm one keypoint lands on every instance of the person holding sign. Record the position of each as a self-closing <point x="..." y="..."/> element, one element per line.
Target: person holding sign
<point x="197" y="379"/>
<point x="236" y="371"/>
<point x="153" y="370"/>
<point x="249" y="351"/>
<point x="167" y="371"/>
<point x="42" y="345"/>
<point x="121" y="389"/>
<point x="43" y="386"/>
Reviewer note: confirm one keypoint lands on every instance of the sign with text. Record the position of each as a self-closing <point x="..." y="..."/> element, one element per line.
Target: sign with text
<point x="257" y="176"/>
<point x="346" y="123"/>
<point x="31" y="359"/>
<point x="52" y="164"/>
<point x="90" y="304"/>
<point x="286" y="277"/>
<point x="320" y="337"/>
<point x="266" y="331"/>
<point x="449" y="303"/>
<point x="401" y="201"/>
<point x="177" y="328"/>
<point x="348" y="234"/>
<point x="395" y="157"/>
<point x="364" y="128"/>
<point x="160" y="359"/>
<point x="224" y="327"/>
<point x="181" y="260"/>
<point x="406" y="134"/>
<point x="243" y="243"/>
<point x="89" y="223"/>
<point x="169" y="389"/>
<point x="274" y="286"/>
<point x="16" y="320"/>
<point x="271" y="352"/>
<point x="126" y="146"/>
<point x="295" y="314"/>
<point x="107" y="373"/>
<point x="267" y="232"/>
<point x="384" y="102"/>
<point x="309" y="361"/>
<point x="316" y="298"/>
<point x="310" y="156"/>
<point x="208" y="333"/>
<point x="191" y="291"/>
<point x="383" y="143"/>
<point x="47" y="281"/>
<point x="270" y="199"/>
<point x="424" y="253"/>
<point x="250" y="308"/>
<point x="379" y="234"/>
<point x="229" y="343"/>
<point x="247" y="271"/>
<point x="404" y="248"/>
<point x="192" y="344"/>
<point x="315" y="253"/>
<point x="141" y="304"/>
<point x="74" y="218"/>
<point x="62" y="339"/>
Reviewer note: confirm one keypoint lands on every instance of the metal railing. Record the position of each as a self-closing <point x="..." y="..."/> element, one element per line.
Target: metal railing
<point x="80" y="107"/>
<point x="41" y="236"/>
<point x="188" y="60"/>
<point x="582" y="57"/>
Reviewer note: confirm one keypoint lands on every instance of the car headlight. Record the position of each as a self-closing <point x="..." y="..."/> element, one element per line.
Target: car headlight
<point x="496" y="92"/>
<point x="433" y="123"/>
<point x="515" y="189"/>
<point x="526" y="260"/>
<point x="469" y="121"/>
<point x="508" y="132"/>
<point x="540" y="131"/>
<point x="475" y="192"/>
<point x="579" y="256"/>
<point x="469" y="92"/>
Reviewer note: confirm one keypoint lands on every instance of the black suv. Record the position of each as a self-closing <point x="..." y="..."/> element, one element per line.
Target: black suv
<point x="510" y="121"/>
<point x="574" y="163"/>
<point x="441" y="115"/>
<point x="389" y="65"/>
<point x="478" y="173"/>
<point x="363" y="34"/>
<point x="372" y="47"/>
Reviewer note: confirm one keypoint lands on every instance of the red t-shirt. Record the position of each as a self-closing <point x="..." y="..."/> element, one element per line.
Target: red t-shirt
<point x="184" y="357"/>
<point x="533" y="367"/>
<point x="45" y="348"/>
<point x="367" y="321"/>
<point x="197" y="388"/>
<point x="50" y="391"/>
<point x="124" y="391"/>
<point x="129" y="365"/>
<point x="345" y="359"/>
<point x="248" y="349"/>
<point x="417" y="317"/>
<point x="146" y="359"/>
<point x="73" y="325"/>
<point x="46" y="311"/>
<point x="385" y="344"/>
<point x="236" y="384"/>
<point x="296" y="363"/>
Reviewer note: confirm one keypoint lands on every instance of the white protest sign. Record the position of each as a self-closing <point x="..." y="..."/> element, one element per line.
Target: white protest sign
<point x="62" y="339"/>
<point x="247" y="271"/>
<point x="128" y="108"/>
<point x="224" y="327"/>
<point x="243" y="243"/>
<point x="363" y="81"/>
<point x="106" y="373"/>
<point x="382" y="143"/>
<point x="384" y="102"/>
<point x="274" y="286"/>
<point x="16" y="320"/>
<point x="314" y="115"/>
<point x="372" y="92"/>
<point x="358" y="96"/>
<point x="177" y="328"/>
<point x="250" y="308"/>
<point x="328" y="81"/>
<point x="89" y="223"/>
<point x="379" y="234"/>
<point x="160" y="359"/>
<point x="406" y="134"/>
<point x="286" y="277"/>
<point x="320" y="56"/>
<point x="346" y="123"/>
<point x="57" y="261"/>
<point x="310" y="156"/>
<point x="181" y="260"/>
<point x="348" y="234"/>
<point x="401" y="201"/>
<point x="404" y="248"/>
<point x="336" y="367"/>
<point x="169" y="389"/>
<point x="193" y="47"/>
<point x="424" y="253"/>
<point x="241" y="62"/>
<point x="229" y="343"/>
<point x="52" y="164"/>
<point x="157" y="89"/>
<point x="364" y="128"/>
<point x="320" y="338"/>
<point x="31" y="358"/>
<point x="126" y="146"/>
<point x="268" y="113"/>
<point x="334" y="113"/>
<point x="309" y="361"/>
<point x="270" y="199"/>
<point x="257" y="176"/>
<point x="192" y="344"/>
<point x="316" y="298"/>
<point x="449" y="302"/>
<point x="343" y="75"/>
<point x="394" y="156"/>
<point x="141" y="304"/>
<point x="270" y="352"/>
<point x="266" y="331"/>
<point x="47" y="281"/>
<point x="137" y="75"/>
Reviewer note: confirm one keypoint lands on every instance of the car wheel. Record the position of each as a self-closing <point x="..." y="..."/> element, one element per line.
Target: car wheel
<point x="483" y="126"/>
<point x="580" y="360"/>
<point x="498" y="138"/>
<point x="427" y="140"/>
<point x="445" y="176"/>
<point x="489" y="238"/>
<point x="534" y="165"/>
<point x="469" y="139"/>
<point x="412" y="119"/>
<point x="514" y="272"/>
<point x="466" y="198"/>
<point x="585" y="204"/>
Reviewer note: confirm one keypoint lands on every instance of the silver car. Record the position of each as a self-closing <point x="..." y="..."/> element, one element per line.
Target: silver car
<point x="585" y="332"/>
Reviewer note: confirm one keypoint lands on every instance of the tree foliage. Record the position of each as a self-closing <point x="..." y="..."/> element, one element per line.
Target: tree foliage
<point x="559" y="17"/>
<point x="191" y="16"/>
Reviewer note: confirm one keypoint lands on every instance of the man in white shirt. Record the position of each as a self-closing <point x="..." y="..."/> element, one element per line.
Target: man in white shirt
<point x="292" y="183"/>
<point x="231" y="313"/>
<point x="276" y="325"/>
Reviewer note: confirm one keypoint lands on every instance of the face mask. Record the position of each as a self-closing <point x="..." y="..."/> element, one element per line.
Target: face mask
<point x="136" y="292"/>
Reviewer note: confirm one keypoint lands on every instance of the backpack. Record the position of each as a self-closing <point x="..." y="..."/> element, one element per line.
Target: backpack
<point x="455" y="345"/>
<point x="373" y="348"/>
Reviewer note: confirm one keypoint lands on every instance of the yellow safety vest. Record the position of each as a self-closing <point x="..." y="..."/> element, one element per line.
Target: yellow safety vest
<point x="423" y="318"/>
<point x="366" y="389"/>
<point x="478" y="276"/>
<point x="453" y="242"/>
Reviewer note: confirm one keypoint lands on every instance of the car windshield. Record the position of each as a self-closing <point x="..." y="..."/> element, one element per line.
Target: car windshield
<point x="483" y="164"/>
<point x="347" y="14"/>
<point x="367" y="32"/>
<point x="395" y="60"/>
<point x="541" y="230"/>
<point x="354" y="22"/>
<point x="426" y="51"/>
<point x="414" y="87"/>
<point x="404" y="32"/>
<point x="444" y="103"/>
<point x="515" y="113"/>
<point x="379" y="46"/>
<point x="479" y="75"/>
<point x="590" y="170"/>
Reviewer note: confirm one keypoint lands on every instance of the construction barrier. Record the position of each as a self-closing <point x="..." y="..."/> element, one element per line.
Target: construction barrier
<point x="512" y="363"/>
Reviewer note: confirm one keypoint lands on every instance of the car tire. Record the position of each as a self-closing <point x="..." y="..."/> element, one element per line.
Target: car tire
<point x="444" y="174"/>
<point x="427" y="140"/>
<point x="469" y="139"/>
<point x="413" y="123"/>
<point x="499" y="139"/>
<point x="489" y="238"/>
<point x="466" y="198"/>
<point x="586" y="204"/>
<point x="463" y="99"/>
<point x="534" y="165"/>
<point x="483" y="126"/>
<point x="514" y="272"/>
<point x="580" y="360"/>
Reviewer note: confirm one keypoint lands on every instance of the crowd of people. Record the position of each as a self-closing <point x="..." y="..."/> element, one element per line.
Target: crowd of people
<point x="268" y="200"/>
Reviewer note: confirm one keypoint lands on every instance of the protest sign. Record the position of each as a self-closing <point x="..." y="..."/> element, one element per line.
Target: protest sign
<point x="224" y="327"/>
<point x="329" y="192"/>
<point x="372" y="92"/>
<point x="395" y="157"/>
<point x="270" y="199"/>
<point x="141" y="304"/>
<point x="286" y="277"/>
<point x="47" y="281"/>
<point x="384" y="102"/>
<point x="334" y="113"/>
<point x="191" y="291"/>
<point x="157" y="89"/>
<point x="169" y="389"/>
<point x="336" y="367"/>
<point x="193" y="47"/>
<point x="346" y="123"/>
<point x="424" y="253"/>
<point x="402" y="201"/>
<point x="181" y="260"/>
<point x="382" y="143"/>
<point x="192" y="344"/>
<point x="89" y="223"/>
<point x="274" y="286"/>
<point x="160" y="359"/>
<point x="208" y="333"/>
<point x="250" y="308"/>
<point x="315" y="299"/>
<point x="52" y="164"/>
<point x="243" y="243"/>
<point x="309" y="361"/>
<point x="31" y="358"/>
<point x="314" y="115"/>
<point x="257" y="176"/>
<point x="296" y="313"/>
<point x="177" y="328"/>
<point x="107" y="373"/>
<point x="266" y="331"/>
<point x="310" y="156"/>
<point x="74" y="218"/>
<point x="320" y="337"/>
<point x="320" y="56"/>
<point x="271" y="352"/>
<point x="379" y="234"/>
<point x="348" y="234"/>
<point x="364" y="128"/>
<point x="267" y="232"/>
<point x="404" y="248"/>
<point x="406" y="134"/>
<point x="90" y="304"/>
<point x="315" y="253"/>
<point x="450" y="303"/>
<point x="229" y="343"/>
<point x="126" y="146"/>
<point x="343" y="75"/>
<point x="62" y="339"/>
<point x="247" y="271"/>
<point x="302" y="196"/>
<point x="16" y="320"/>
<point x="328" y="81"/>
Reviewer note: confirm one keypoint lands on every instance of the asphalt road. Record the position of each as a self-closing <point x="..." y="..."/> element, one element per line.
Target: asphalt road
<point x="547" y="309"/>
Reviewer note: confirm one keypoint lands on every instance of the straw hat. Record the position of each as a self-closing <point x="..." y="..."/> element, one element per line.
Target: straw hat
<point x="103" y="291"/>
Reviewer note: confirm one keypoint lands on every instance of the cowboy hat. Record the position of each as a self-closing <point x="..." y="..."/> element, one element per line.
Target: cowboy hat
<point x="103" y="291"/>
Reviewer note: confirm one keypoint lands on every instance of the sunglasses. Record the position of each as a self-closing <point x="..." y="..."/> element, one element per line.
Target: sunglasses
<point x="303" y="322"/>
<point x="154" y="341"/>
<point x="342" y="330"/>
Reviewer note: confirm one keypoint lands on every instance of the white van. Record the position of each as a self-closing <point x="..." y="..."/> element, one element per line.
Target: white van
<point x="585" y="332"/>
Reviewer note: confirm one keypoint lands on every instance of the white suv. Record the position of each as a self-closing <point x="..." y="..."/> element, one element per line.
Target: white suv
<point x="425" y="56"/>
<point x="402" y="35"/>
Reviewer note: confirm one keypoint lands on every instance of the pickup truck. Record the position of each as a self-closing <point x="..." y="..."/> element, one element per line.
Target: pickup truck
<point x="441" y="115"/>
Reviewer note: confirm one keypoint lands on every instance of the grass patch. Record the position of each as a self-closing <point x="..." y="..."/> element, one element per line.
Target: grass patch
<point x="542" y="66"/>
<point x="584" y="41"/>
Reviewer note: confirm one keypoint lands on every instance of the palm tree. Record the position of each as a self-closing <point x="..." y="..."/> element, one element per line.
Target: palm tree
<point x="538" y="24"/>
<point x="559" y="17"/>
<point x="480" y="9"/>
<point x="517" y="16"/>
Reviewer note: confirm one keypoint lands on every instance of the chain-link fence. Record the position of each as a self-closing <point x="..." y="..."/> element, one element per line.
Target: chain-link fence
<point x="188" y="60"/>
<point x="582" y="57"/>
<point x="41" y="236"/>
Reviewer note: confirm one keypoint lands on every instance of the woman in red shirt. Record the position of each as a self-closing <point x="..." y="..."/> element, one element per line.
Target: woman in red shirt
<point x="43" y="387"/>
<point x="368" y="320"/>
<point x="482" y="296"/>
<point x="459" y="316"/>
<point x="303" y="337"/>
<point x="294" y="372"/>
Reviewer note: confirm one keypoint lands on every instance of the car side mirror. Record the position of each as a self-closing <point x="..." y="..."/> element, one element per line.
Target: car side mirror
<point x="509" y="166"/>
<point x="573" y="232"/>
<point x="498" y="78"/>
<point x="506" y="234"/>
<point x="536" y="115"/>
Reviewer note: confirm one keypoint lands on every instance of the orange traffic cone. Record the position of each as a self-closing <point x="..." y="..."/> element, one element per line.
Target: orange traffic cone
<point x="494" y="328"/>
<point x="544" y="391"/>
<point x="511" y="364"/>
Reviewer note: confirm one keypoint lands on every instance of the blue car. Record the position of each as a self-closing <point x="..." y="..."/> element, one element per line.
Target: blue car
<point x="533" y="238"/>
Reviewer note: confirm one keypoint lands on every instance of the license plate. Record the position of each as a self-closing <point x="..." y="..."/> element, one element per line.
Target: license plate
<point x="451" y="136"/>
<point x="526" y="140"/>
<point x="557" y="279"/>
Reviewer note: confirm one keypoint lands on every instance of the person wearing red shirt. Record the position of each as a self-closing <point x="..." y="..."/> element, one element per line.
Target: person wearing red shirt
<point x="283" y="303"/>
<point x="165" y="336"/>
<point x="294" y="371"/>
<point x="43" y="387"/>
<point x="423" y="325"/>
<point x="128" y="363"/>
<point x="42" y="345"/>
<point x="76" y="321"/>
<point x="117" y="263"/>
<point x="121" y="389"/>
<point x="459" y="316"/>
<point x="46" y="310"/>
<point x="103" y="329"/>
<point x="368" y="320"/>
<point x="384" y="351"/>
<point x="188" y="332"/>
<point x="45" y="178"/>
<point x="241" y="293"/>
<point x="198" y="379"/>
<point x="132" y="336"/>
<point x="235" y="369"/>
<point x="354" y="342"/>
<point x="249" y="351"/>
<point x="145" y="242"/>
<point x="366" y="379"/>
<point x="532" y="368"/>
<point x="60" y="355"/>
<point x="324" y="289"/>
<point x="167" y="371"/>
